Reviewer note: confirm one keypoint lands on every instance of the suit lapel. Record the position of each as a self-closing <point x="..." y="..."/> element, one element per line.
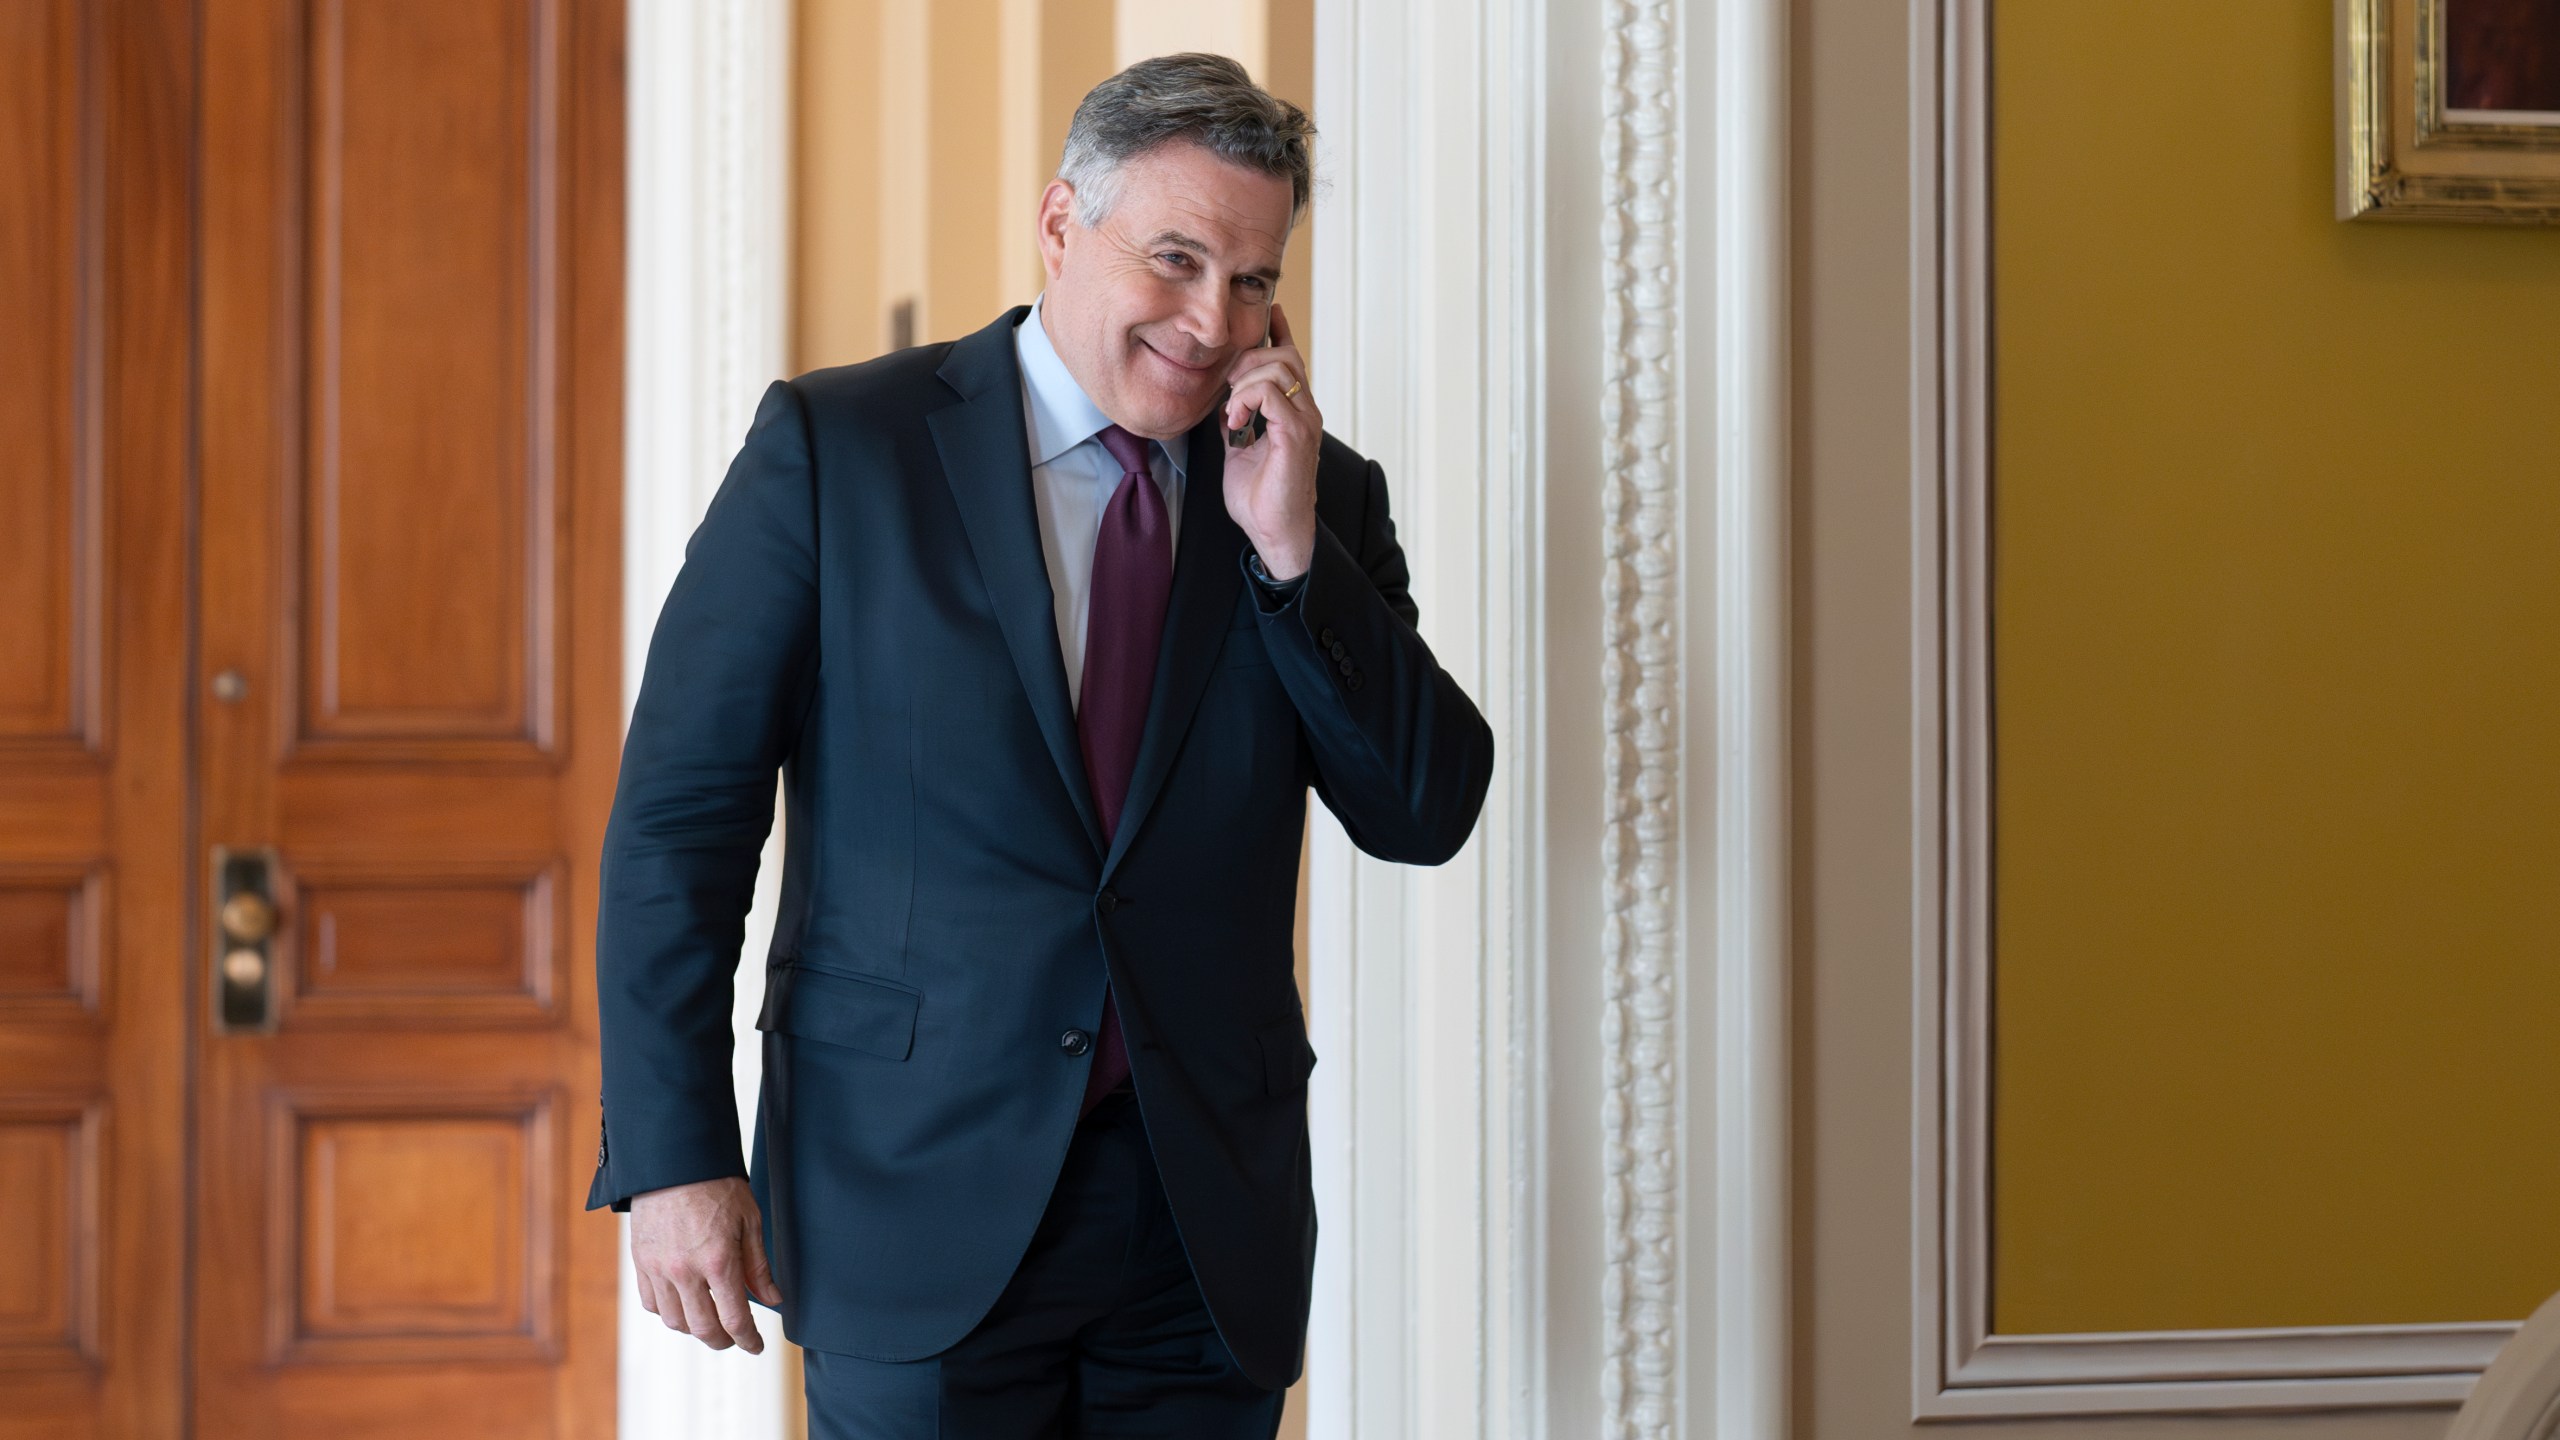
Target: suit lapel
<point x="1206" y="577"/>
<point x="987" y="462"/>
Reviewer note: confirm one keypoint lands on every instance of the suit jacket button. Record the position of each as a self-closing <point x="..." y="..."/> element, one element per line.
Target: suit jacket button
<point x="1337" y="650"/>
<point x="1346" y="667"/>
<point x="1075" y="1042"/>
<point x="1109" y="902"/>
<point x="1325" y="638"/>
<point x="1353" y="682"/>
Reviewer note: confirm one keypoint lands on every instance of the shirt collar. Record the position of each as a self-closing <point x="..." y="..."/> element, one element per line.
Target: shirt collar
<point x="1061" y="415"/>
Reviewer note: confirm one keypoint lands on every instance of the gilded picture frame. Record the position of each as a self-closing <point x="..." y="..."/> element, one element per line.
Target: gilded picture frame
<point x="2449" y="110"/>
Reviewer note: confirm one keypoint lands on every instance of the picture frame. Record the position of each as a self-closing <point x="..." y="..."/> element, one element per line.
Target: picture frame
<point x="2449" y="110"/>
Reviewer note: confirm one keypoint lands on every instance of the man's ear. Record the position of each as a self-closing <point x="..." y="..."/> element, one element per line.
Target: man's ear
<point x="1057" y="215"/>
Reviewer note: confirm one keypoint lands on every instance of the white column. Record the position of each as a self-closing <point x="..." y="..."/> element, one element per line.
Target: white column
<point x="707" y="328"/>
<point x="1551" y="1118"/>
<point x="1430" y="294"/>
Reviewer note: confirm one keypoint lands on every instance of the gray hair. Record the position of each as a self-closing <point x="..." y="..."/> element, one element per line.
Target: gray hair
<point x="1205" y="100"/>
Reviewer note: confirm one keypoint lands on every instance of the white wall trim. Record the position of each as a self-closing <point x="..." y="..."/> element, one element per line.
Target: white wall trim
<point x="1462" y="260"/>
<point x="2519" y="1396"/>
<point x="707" y="323"/>
<point x="1428" y="293"/>
<point x="1644" y="936"/>
<point x="1735" y="302"/>
<point x="1959" y="1368"/>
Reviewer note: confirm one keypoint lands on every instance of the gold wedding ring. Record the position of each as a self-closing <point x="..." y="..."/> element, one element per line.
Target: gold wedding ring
<point x="1294" y="387"/>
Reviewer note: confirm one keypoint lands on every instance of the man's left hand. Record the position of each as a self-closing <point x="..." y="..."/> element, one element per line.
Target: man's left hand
<point x="1271" y="483"/>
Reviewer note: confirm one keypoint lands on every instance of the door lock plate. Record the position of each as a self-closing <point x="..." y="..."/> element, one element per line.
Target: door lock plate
<point x="244" y="939"/>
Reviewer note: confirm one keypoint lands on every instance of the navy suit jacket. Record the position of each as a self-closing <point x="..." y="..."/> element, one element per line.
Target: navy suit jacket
<point x="865" y="608"/>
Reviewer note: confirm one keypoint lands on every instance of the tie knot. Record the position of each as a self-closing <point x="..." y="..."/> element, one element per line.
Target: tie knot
<point x="1126" y="448"/>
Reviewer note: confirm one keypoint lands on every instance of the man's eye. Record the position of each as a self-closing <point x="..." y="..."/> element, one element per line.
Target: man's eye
<point x="1174" y="257"/>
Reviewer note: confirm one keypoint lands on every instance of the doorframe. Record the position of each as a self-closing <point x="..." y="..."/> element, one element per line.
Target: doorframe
<point x="1600" y="1244"/>
<point x="708" y="325"/>
<point x="1551" y="1124"/>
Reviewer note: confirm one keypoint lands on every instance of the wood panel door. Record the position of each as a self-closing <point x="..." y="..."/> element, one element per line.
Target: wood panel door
<point x="310" y="354"/>
<point x="408" y="589"/>
<point x="94" y="856"/>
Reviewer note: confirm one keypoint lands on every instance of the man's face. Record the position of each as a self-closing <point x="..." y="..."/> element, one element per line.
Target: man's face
<point x="1148" y="306"/>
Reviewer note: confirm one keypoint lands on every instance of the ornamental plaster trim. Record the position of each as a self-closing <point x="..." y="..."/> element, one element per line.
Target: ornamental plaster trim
<point x="1641" y="688"/>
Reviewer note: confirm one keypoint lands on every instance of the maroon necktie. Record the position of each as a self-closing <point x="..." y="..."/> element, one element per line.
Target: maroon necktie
<point x="1124" y="620"/>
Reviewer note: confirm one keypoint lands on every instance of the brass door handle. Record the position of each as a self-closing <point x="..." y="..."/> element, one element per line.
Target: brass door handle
<point x="248" y="917"/>
<point x="244" y="933"/>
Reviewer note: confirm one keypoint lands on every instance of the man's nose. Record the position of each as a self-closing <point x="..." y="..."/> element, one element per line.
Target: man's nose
<point x="1205" y="320"/>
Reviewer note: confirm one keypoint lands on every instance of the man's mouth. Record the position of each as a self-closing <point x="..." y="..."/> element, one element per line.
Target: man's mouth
<point x="1189" y="369"/>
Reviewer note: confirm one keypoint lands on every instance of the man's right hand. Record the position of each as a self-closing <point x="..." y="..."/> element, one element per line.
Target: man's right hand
<point x="699" y="1249"/>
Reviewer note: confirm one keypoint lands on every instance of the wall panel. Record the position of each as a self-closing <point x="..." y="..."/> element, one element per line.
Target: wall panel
<point x="2276" y="632"/>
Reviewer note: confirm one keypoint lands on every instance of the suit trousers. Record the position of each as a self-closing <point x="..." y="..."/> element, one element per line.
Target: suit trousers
<point x="1101" y="1334"/>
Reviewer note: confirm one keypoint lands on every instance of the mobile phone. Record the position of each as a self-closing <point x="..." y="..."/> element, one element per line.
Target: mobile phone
<point x="1253" y="426"/>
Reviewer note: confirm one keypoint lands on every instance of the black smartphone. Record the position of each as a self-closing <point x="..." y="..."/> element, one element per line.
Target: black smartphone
<point x="1253" y="426"/>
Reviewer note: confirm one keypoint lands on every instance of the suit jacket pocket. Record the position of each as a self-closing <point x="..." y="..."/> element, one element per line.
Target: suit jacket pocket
<point x="833" y="1009"/>
<point x="1287" y="1058"/>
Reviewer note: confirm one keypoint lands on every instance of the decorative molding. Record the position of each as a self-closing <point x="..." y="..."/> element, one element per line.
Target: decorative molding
<point x="708" y="326"/>
<point x="1643" y="694"/>
<point x="2518" y="1398"/>
<point x="1734" y="279"/>
<point x="1960" y="1368"/>
<point x="1469" y="1257"/>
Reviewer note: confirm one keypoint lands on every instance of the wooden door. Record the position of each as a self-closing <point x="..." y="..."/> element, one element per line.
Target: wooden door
<point x="310" y="357"/>
<point x="94" y="856"/>
<point x="408" y="580"/>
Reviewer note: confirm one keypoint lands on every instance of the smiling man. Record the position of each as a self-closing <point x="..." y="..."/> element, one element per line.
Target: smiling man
<point x="1048" y="631"/>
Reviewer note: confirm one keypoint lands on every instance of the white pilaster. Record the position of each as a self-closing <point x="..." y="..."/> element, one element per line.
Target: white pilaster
<point x="1551" y="297"/>
<point x="707" y="329"/>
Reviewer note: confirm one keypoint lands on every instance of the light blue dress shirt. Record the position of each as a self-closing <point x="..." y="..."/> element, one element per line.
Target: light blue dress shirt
<point x="1072" y="478"/>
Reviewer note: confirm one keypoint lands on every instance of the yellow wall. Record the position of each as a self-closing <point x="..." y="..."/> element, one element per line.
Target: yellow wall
<point x="2277" y="544"/>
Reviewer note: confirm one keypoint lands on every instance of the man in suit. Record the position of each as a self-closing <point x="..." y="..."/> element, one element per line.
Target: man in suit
<point x="1048" y="645"/>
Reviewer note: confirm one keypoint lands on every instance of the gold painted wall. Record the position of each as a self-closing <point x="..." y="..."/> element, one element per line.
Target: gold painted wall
<point x="2277" y="629"/>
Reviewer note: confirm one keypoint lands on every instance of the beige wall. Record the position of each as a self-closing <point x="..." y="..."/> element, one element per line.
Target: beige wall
<point x="837" y="154"/>
<point x="926" y="129"/>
